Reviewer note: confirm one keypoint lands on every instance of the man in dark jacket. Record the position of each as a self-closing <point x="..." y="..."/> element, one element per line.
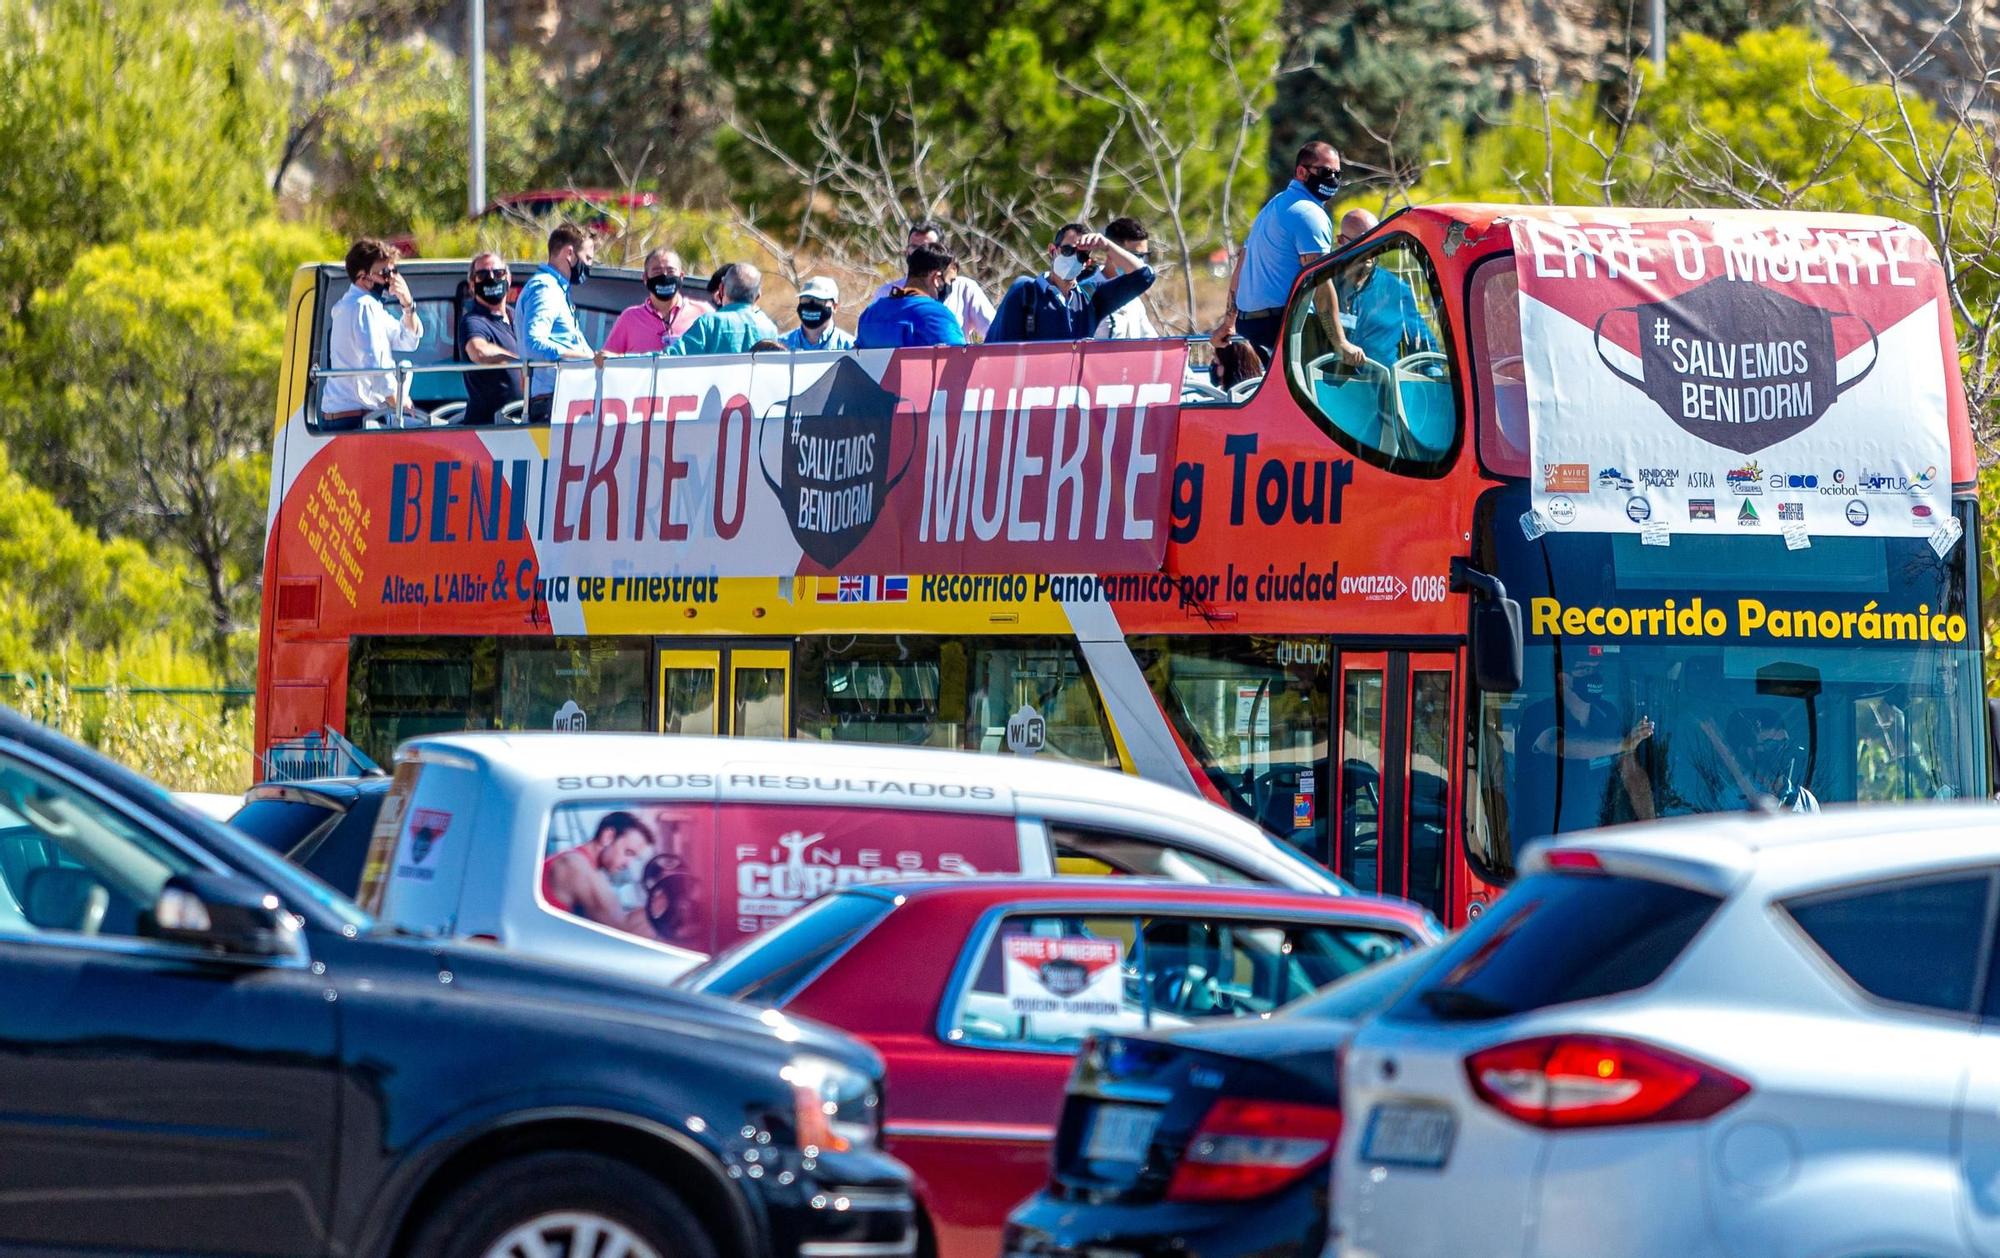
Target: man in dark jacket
<point x="1053" y="307"/>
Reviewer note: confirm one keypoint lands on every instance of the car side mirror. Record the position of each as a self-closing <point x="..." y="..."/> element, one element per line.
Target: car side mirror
<point x="223" y="914"/>
<point x="1494" y="634"/>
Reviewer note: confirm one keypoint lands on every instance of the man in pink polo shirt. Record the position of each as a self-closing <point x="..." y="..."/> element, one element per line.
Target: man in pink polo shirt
<point x="658" y="321"/>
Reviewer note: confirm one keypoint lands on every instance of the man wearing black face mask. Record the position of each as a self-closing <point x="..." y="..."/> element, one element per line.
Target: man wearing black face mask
<point x="658" y="321"/>
<point x="819" y="297"/>
<point x="364" y="334"/>
<point x="1291" y="233"/>
<point x="487" y="336"/>
<point x="549" y="326"/>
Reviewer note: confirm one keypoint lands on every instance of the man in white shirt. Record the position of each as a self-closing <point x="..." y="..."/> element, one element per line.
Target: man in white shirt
<point x="1130" y="322"/>
<point x="362" y="333"/>
<point x="962" y="297"/>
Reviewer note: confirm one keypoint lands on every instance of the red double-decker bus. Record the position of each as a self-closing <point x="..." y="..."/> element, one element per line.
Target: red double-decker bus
<point x="1627" y="514"/>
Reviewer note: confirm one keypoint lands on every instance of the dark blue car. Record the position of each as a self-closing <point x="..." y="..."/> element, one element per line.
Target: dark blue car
<point x="204" y="1052"/>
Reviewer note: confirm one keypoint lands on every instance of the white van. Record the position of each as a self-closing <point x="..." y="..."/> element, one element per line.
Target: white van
<point x="638" y="850"/>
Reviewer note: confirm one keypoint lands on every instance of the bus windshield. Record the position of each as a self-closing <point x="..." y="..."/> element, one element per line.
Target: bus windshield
<point x="1718" y="672"/>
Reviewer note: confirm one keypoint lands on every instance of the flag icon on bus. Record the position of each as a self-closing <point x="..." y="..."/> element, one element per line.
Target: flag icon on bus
<point x="863" y="589"/>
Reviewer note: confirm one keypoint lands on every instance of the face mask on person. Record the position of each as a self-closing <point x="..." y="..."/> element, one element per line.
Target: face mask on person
<point x="492" y="291"/>
<point x="1323" y="183"/>
<point x="814" y="315"/>
<point x="579" y="271"/>
<point x="664" y="287"/>
<point x="1590" y="687"/>
<point x="1067" y="267"/>
<point x="626" y="877"/>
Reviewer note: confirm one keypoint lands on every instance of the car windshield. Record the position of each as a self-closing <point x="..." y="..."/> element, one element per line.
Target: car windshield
<point x="279" y="824"/>
<point x="1369" y="991"/>
<point x="1718" y="672"/>
<point x="771" y="968"/>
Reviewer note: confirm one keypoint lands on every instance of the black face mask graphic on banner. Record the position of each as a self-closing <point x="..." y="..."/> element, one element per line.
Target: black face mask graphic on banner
<point x="1736" y="364"/>
<point x="836" y="469"/>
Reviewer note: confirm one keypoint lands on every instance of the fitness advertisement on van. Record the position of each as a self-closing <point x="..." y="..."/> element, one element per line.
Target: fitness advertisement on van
<point x="699" y="875"/>
<point x="1731" y="376"/>
<point x="642" y="869"/>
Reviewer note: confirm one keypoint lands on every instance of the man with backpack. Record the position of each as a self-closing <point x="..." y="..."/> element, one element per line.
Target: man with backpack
<point x="1052" y="306"/>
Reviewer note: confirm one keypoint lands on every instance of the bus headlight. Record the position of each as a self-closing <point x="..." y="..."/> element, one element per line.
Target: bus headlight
<point x="837" y="1109"/>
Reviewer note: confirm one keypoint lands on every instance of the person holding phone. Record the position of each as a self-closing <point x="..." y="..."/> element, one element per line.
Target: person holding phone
<point x="363" y="334"/>
<point x="1054" y="306"/>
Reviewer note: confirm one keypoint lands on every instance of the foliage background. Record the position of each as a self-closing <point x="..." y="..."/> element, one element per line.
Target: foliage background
<point x="168" y="165"/>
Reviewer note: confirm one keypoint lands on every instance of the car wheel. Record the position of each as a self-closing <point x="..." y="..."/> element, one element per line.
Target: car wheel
<point x="576" y="1204"/>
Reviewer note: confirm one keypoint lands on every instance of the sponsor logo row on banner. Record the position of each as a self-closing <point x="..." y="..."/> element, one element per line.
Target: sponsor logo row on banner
<point x="1749" y="494"/>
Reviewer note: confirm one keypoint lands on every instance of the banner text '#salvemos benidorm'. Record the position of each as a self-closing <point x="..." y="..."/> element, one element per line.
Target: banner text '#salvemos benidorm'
<point x="1728" y="375"/>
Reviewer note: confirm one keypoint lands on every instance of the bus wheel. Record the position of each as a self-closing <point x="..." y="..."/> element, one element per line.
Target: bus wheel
<point x="562" y="1203"/>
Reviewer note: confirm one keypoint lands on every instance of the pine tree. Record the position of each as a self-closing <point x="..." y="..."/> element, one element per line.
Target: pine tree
<point x="1373" y="81"/>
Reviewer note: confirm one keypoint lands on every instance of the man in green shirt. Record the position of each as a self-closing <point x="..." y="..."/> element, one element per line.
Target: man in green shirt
<point x="737" y="325"/>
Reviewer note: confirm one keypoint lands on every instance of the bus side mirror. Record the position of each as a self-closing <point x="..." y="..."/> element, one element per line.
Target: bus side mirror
<point x="1495" y="630"/>
<point x="1993" y="742"/>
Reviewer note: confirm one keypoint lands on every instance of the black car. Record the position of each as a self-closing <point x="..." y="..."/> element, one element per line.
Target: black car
<point x="321" y="825"/>
<point x="1207" y="1142"/>
<point x="202" y="1051"/>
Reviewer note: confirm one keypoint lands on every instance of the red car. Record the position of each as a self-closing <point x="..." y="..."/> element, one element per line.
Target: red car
<point x="977" y="993"/>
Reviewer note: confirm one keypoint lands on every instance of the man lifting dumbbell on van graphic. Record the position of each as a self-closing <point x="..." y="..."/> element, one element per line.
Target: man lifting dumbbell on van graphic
<point x="590" y="880"/>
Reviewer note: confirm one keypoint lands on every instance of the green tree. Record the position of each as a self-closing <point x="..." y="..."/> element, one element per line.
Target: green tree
<point x="1000" y="121"/>
<point x="645" y="112"/>
<point x="1369" y="78"/>
<point x="145" y="399"/>
<point x="70" y="591"/>
<point x="395" y="156"/>
<point x="119" y="118"/>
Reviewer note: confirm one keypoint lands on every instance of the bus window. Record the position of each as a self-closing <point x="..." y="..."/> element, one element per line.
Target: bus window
<point x="1500" y="384"/>
<point x="1254" y="712"/>
<point x="958" y="693"/>
<point x="1609" y="729"/>
<point x="1399" y="407"/>
<point x="400" y="688"/>
<point x="574" y="684"/>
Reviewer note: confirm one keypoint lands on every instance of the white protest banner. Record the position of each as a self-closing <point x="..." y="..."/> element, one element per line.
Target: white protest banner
<point x="1733" y="372"/>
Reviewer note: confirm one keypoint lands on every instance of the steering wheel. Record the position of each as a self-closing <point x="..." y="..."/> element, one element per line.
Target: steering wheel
<point x="1198" y="391"/>
<point x="1188" y="989"/>
<point x="515" y="412"/>
<point x="449" y="413"/>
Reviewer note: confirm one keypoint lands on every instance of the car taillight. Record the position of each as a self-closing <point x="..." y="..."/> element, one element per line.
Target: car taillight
<point x="1246" y="1148"/>
<point x="1598" y="1081"/>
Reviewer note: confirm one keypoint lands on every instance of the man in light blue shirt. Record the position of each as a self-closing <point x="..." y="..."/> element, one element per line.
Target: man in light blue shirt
<point x="737" y="325"/>
<point x="1377" y="307"/>
<point x="548" y="323"/>
<point x="1290" y="233"/>
<point x="818" y="299"/>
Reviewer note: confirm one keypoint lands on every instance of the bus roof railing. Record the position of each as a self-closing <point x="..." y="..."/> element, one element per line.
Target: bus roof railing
<point x="405" y="371"/>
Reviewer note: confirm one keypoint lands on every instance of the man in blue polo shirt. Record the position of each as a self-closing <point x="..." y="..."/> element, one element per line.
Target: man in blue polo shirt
<point x="1289" y="234"/>
<point x="912" y="314"/>
<point x="1053" y="307"/>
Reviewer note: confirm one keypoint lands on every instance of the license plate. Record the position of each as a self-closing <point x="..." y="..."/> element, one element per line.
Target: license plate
<point x="1408" y="1135"/>
<point x="1120" y="1133"/>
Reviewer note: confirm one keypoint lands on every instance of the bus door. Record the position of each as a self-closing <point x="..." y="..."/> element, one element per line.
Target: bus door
<point x="1393" y="812"/>
<point x="742" y="689"/>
